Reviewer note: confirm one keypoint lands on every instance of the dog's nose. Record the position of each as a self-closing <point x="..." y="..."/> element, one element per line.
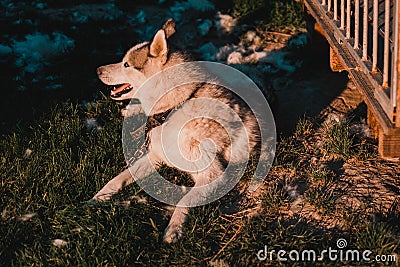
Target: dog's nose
<point x="99" y="71"/>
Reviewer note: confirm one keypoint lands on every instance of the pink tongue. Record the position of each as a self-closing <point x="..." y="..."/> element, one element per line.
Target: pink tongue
<point x="120" y="89"/>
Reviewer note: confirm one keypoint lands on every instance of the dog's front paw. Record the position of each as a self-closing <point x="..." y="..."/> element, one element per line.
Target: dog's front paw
<point x="172" y="233"/>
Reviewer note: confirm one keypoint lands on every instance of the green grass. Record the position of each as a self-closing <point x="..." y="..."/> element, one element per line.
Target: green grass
<point x="338" y="140"/>
<point x="244" y="8"/>
<point x="67" y="164"/>
<point x="304" y="127"/>
<point x="276" y="15"/>
<point x="322" y="197"/>
<point x="275" y="198"/>
<point x="377" y="237"/>
<point x="286" y="14"/>
<point x="323" y="175"/>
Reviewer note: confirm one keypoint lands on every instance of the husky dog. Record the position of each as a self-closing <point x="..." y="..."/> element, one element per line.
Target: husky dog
<point x="141" y="62"/>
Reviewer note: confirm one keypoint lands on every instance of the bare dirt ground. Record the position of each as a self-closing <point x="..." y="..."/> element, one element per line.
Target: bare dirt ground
<point x="350" y="190"/>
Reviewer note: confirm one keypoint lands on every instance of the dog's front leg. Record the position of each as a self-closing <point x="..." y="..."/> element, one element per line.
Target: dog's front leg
<point x="113" y="186"/>
<point x="140" y="169"/>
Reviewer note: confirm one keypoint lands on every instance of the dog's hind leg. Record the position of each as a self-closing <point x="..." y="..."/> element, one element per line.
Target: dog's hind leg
<point x="198" y="195"/>
<point x="140" y="169"/>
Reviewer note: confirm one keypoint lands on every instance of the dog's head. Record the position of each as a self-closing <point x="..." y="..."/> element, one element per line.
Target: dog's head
<point x="139" y="63"/>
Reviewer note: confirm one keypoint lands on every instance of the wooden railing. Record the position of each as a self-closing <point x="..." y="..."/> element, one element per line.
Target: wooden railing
<point x="364" y="34"/>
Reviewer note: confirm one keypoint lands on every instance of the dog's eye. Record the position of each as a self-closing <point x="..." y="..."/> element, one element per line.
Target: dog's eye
<point x="126" y="65"/>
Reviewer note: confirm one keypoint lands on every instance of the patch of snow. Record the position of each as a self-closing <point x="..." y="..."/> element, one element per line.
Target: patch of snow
<point x="40" y="5"/>
<point x="298" y="41"/>
<point x="256" y="57"/>
<point x="28" y="152"/>
<point x="96" y="12"/>
<point x="292" y="191"/>
<point x="92" y="124"/>
<point x="361" y="129"/>
<point x="112" y="11"/>
<point x="140" y="17"/>
<point x="33" y="53"/>
<point x="332" y="118"/>
<point x="59" y="242"/>
<point x="250" y="35"/>
<point x="251" y="40"/>
<point x="238" y="54"/>
<point x="180" y="7"/>
<point x="226" y="50"/>
<point x="235" y="58"/>
<point x="84" y="13"/>
<point x="207" y="51"/>
<point x="54" y="86"/>
<point x="225" y="23"/>
<point x="5" y="50"/>
<point x="205" y="27"/>
<point x="23" y="21"/>
<point x="79" y="18"/>
<point x="145" y="34"/>
<point x="51" y="78"/>
<point x="280" y="61"/>
<point x="27" y="217"/>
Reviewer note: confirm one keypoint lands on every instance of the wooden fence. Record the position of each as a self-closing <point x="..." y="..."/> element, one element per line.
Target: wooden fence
<point x="364" y="36"/>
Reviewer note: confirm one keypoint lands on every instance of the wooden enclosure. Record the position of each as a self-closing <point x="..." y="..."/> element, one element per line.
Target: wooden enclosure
<point x="364" y="38"/>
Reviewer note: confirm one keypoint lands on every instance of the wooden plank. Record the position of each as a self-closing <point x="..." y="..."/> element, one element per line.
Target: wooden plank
<point x="365" y="83"/>
<point x="397" y="66"/>
<point x="373" y="124"/>
<point x="389" y="144"/>
<point x="334" y="61"/>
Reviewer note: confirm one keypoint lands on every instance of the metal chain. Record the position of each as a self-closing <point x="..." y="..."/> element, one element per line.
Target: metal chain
<point x="137" y="155"/>
<point x="144" y="129"/>
<point x="142" y="149"/>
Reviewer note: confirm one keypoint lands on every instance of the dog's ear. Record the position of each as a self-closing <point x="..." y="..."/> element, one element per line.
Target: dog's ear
<point x="169" y="27"/>
<point x="159" y="47"/>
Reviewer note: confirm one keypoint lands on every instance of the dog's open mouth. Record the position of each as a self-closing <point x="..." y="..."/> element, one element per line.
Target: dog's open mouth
<point x="120" y="89"/>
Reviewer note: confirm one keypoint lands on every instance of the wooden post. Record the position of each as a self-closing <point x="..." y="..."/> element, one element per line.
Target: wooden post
<point x="389" y="141"/>
<point x="397" y="66"/>
<point x="389" y="144"/>
<point x="373" y="124"/>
